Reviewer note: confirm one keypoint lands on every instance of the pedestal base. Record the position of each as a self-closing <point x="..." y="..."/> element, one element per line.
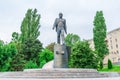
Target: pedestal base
<point x="60" y="56"/>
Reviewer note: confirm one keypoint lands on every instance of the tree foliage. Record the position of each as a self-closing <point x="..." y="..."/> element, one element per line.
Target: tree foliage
<point x="31" y="46"/>
<point x="30" y="25"/>
<point x="45" y="56"/>
<point x="101" y="65"/>
<point x="31" y="49"/>
<point x="50" y="47"/>
<point x="71" y="39"/>
<point x="17" y="63"/>
<point x="30" y="64"/>
<point x="24" y="47"/>
<point x="82" y="56"/>
<point x="15" y="37"/>
<point x="1" y="43"/>
<point x="27" y="43"/>
<point x="7" y="51"/>
<point x="99" y="32"/>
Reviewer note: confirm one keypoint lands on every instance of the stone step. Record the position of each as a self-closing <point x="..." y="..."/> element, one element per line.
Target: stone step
<point x="56" y="73"/>
<point x="60" y="70"/>
<point x="51" y="75"/>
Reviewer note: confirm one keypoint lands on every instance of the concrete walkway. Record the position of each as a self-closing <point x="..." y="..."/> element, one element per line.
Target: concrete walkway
<point x="115" y="78"/>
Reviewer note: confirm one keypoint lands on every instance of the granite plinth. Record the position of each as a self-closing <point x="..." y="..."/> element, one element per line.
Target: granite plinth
<point x="60" y="56"/>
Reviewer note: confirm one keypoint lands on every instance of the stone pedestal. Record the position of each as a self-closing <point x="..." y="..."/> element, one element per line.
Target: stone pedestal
<point x="60" y="56"/>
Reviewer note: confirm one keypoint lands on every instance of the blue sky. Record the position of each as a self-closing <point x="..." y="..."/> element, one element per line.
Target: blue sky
<point x="79" y="15"/>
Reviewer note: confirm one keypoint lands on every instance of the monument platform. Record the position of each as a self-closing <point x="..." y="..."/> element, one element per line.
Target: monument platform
<point x="55" y="73"/>
<point x="60" y="56"/>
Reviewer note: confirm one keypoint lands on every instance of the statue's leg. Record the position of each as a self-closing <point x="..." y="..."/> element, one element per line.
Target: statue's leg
<point x="58" y="36"/>
<point x="62" y="36"/>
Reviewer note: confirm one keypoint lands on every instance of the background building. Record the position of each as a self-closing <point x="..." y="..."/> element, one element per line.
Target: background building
<point x="113" y="43"/>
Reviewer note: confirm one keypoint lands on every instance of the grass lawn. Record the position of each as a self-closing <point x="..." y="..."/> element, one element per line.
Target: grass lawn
<point x="116" y="68"/>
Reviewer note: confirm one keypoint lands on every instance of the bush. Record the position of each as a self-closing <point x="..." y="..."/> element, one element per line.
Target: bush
<point x="82" y="56"/>
<point x="7" y="51"/>
<point x="17" y="63"/>
<point x="101" y="64"/>
<point x="30" y="64"/>
<point x="109" y="64"/>
<point x="45" y="56"/>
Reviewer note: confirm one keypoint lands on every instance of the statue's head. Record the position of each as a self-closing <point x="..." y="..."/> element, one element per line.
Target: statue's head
<point x="60" y="15"/>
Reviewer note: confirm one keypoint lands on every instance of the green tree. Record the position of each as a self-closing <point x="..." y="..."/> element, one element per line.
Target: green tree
<point x="16" y="40"/>
<point x="27" y="44"/>
<point x="30" y="25"/>
<point x="31" y="49"/>
<point x="99" y="32"/>
<point x="109" y="64"/>
<point x="50" y="46"/>
<point x="71" y="39"/>
<point x="82" y="56"/>
<point x="7" y="51"/>
<point x="1" y="43"/>
<point x="101" y="65"/>
<point x="17" y="63"/>
<point x="30" y="64"/>
<point x="15" y="37"/>
<point x="31" y="46"/>
<point x="45" y="56"/>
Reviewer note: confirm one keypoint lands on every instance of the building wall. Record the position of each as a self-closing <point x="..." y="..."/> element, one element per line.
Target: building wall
<point x="91" y="42"/>
<point x="113" y="43"/>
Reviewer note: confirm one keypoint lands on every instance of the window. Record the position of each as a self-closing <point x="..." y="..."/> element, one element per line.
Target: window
<point x="111" y="41"/>
<point x="107" y="45"/>
<point x="111" y="52"/>
<point x="114" y="52"/>
<point x="116" y="45"/>
<point x="117" y="52"/>
<point x="113" y="59"/>
<point x="111" y="47"/>
<point x="116" y="40"/>
<point x="118" y="59"/>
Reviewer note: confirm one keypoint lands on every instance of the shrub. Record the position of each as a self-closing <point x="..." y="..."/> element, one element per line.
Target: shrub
<point x="17" y="63"/>
<point x="45" y="56"/>
<point x="109" y="64"/>
<point x="82" y="56"/>
<point x="101" y="65"/>
<point x="30" y="64"/>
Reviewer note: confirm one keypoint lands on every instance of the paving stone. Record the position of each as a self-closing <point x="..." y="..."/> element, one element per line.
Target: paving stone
<point x="55" y="73"/>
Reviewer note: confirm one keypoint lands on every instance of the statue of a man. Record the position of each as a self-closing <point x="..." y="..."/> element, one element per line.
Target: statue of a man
<point x="60" y="25"/>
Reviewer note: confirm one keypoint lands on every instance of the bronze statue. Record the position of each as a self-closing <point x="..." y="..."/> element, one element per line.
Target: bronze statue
<point x="60" y="25"/>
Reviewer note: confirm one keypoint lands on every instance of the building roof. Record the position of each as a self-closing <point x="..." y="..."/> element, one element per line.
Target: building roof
<point x="108" y="32"/>
<point x="113" y="30"/>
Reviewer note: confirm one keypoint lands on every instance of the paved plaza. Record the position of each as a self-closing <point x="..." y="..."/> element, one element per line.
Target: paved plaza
<point x="115" y="78"/>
